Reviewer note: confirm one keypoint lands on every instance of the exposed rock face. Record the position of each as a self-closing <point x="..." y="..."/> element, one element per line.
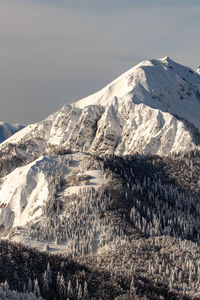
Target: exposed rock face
<point x="147" y="109"/>
<point x="120" y="129"/>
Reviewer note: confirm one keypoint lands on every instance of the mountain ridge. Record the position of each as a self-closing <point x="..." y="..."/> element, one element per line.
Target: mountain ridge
<point x="153" y="108"/>
<point x="112" y="182"/>
<point x="6" y="130"/>
<point x="140" y="85"/>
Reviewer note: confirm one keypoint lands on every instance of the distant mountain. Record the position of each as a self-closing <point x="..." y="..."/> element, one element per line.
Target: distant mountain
<point x="111" y="180"/>
<point x="6" y="130"/>
<point x="198" y="70"/>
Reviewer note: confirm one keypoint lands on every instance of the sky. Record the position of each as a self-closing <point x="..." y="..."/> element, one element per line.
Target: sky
<point x="54" y="52"/>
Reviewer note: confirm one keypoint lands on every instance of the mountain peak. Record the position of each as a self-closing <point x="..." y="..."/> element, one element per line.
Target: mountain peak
<point x="198" y="70"/>
<point x="166" y="59"/>
<point x="152" y="108"/>
<point x="160" y="84"/>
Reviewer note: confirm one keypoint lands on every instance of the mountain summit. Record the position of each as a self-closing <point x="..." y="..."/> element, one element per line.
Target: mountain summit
<point x="160" y="84"/>
<point x="116" y="176"/>
<point x="152" y="109"/>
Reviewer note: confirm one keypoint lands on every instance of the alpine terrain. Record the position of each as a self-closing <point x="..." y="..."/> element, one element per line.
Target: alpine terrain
<point x="6" y="130"/>
<point x="101" y="200"/>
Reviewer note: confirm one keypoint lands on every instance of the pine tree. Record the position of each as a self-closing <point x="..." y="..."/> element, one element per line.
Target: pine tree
<point x="132" y="288"/>
<point x="85" y="291"/>
<point x="49" y="275"/>
<point x="80" y="294"/>
<point x="45" y="282"/>
<point x="61" y="285"/>
<point x="30" y="286"/>
<point x="6" y="286"/>
<point x="69" y="290"/>
<point x="36" y="289"/>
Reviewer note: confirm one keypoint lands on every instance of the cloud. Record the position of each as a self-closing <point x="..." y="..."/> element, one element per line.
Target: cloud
<point x="54" y="52"/>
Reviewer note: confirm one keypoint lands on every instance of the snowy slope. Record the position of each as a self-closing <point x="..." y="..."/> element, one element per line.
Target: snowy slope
<point x="153" y="108"/>
<point x="6" y="130"/>
<point x="198" y="70"/>
<point x="25" y="191"/>
<point x="121" y="128"/>
<point x="29" y="191"/>
<point x="162" y="84"/>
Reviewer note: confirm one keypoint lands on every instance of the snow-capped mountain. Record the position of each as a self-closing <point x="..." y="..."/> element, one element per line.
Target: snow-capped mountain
<point x="110" y="181"/>
<point x="6" y="130"/>
<point x="153" y="109"/>
<point x="160" y="84"/>
<point x="198" y="70"/>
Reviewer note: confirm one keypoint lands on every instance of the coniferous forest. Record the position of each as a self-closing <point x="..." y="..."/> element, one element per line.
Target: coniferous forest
<point x="137" y="237"/>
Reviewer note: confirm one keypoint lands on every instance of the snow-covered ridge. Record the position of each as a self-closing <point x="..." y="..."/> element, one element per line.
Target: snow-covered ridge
<point x="6" y="130"/>
<point x="153" y="108"/>
<point x="162" y="84"/>
<point x="198" y="70"/>
<point x="121" y="128"/>
<point x="26" y="190"/>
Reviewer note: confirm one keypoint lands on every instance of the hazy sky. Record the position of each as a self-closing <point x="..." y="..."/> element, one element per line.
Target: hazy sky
<point x="54" y="52"/>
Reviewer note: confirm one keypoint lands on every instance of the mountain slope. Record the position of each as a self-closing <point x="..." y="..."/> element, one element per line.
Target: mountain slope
<point x="26" y="190"/>
<point x="59" y="277"/>
<point x="6" y="130"/>
<point x="121" y="214"/>
<point x="111" y="180"/>
<point x="120" y="129"/>
<point x="198" y="70"/>
<point x="151" y="109"/>
<point x="162" y="84"/>
<point x="120" y="120"/>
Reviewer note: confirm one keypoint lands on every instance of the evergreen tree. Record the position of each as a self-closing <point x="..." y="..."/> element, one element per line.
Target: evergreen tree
<point x="80" y="293"/>
<point x="85" y="291"/>
<point x="36" y="289"/>
<point x="69" y="290"/>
